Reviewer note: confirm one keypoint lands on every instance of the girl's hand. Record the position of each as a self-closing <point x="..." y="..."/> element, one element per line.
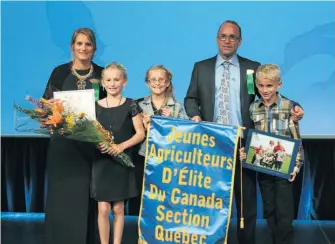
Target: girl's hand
<point x="166" y="112"/>
<point x="116" y="149"/>
<point x="146" y="120"/>
<point x="103" y="148"/>
<point x="243" y="155"/>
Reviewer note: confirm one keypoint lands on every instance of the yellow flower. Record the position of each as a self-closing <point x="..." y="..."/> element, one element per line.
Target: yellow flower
<point x="81" y="115"/>
<point x="54" y="119"/>
<point x="70" y="121"/>
<point x="42" y="100"/>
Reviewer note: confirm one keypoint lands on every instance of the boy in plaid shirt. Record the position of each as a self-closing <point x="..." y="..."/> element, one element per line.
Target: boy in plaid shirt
<point x="271" y="113"/>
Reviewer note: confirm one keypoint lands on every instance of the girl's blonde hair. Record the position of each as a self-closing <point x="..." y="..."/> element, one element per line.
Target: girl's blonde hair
<point x="118" y="66"/>
<point x="169" y="89"/>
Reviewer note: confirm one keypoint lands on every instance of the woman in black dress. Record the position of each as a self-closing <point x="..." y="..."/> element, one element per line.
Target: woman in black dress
<point x="69" y="162"/>
<point x="113" y="183"/>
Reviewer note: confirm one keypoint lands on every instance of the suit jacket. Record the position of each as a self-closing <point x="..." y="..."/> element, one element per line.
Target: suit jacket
<point x="59" y="74"/>
<point x="199" y="100"/>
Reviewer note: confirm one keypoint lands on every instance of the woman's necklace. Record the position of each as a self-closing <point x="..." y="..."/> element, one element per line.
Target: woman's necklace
<point x="111" y="122"/>
<point x="81" y="83"/>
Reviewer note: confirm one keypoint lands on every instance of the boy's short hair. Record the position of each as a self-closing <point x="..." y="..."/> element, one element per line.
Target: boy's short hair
<point x="268" y="71"/>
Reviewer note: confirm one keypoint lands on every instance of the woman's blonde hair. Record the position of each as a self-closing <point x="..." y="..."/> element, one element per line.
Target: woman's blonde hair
<point x="169" y="89"/>
<point x="90" y="35"/>
<point x="118" y="66"/>
<point x="87" y="32"/>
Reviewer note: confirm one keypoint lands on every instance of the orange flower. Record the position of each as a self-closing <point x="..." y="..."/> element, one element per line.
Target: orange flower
<point x="104" y="132"/>
<point x="54" y="119"/>
<point x="58" y="107"/>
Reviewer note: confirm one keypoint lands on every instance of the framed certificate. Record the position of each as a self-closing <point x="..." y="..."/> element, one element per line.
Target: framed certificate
<point x="78" y="101"/>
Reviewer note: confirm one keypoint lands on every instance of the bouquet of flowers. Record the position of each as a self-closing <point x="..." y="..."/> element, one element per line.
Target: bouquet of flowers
<point x="54" y="119"/>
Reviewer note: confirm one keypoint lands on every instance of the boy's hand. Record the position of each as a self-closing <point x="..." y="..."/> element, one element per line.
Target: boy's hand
<point x="243" y="155"/>
<point x="297" y="113"/>
<point x="293" y="174"/>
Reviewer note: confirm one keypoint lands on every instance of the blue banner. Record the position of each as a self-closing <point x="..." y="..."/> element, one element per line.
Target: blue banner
<point x="187" y="187"/>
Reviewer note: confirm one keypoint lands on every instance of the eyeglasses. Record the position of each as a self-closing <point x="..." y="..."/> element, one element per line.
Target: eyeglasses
<point x="160" y="81"/>
<point x="231" y="38"/>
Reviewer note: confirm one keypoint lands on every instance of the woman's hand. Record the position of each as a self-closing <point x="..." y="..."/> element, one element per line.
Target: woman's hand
<point x="54" y="100"/>
<point x="166" y="112"/>
<point x="243" y="155"/>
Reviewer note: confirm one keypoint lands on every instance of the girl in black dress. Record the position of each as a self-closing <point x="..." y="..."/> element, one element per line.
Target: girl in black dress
<point x="69" y="162"/>
<point x="113" y="183"/>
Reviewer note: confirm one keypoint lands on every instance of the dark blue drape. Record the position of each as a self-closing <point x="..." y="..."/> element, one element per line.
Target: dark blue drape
<point x="23" y="178"/>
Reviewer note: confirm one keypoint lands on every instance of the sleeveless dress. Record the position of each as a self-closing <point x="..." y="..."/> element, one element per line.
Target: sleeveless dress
<point x="110" y="180"/>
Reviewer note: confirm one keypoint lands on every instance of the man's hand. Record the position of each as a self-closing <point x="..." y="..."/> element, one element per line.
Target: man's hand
<point x="243" y="155"/>
<point x="297" y="113"/>
<point x="196" y="119"/>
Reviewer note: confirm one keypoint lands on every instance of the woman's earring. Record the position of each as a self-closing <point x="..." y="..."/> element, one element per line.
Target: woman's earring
<point x="103" y="88"/>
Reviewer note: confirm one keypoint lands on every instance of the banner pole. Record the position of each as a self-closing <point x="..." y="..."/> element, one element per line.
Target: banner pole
<point x="241" y="183"/>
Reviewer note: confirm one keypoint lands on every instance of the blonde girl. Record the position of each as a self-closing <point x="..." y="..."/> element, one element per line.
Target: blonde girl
<point x="112" y="184"/>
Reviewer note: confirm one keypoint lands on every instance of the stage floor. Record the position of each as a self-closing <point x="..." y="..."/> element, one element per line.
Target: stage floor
<point x="26" y="228"/>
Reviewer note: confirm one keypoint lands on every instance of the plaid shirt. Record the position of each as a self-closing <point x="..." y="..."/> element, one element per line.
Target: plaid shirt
<point x="277" y="119"/>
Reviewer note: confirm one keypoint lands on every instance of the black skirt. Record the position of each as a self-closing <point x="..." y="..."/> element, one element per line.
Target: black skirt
<point x="111" y="181"/>
<point x="68" y="199"/>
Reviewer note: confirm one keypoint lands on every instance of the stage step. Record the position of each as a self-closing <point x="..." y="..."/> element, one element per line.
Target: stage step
<point x="27" y="228"/>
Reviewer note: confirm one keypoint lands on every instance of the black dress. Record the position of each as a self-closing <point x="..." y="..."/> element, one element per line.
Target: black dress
<point x="69" y="165"/>
<point x="139" y="161"/>
<point x="110" y="180"/>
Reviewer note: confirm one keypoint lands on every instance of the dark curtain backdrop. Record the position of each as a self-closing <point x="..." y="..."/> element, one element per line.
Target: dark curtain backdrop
<point x="23" y="178"/>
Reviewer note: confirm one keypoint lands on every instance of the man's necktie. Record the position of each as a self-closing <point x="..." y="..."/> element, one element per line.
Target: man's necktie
<point x="223" y="115"/>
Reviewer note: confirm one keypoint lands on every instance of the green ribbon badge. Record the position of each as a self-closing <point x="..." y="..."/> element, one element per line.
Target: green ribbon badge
<point x="250" y="82"/>
<point x="96" y="87"/>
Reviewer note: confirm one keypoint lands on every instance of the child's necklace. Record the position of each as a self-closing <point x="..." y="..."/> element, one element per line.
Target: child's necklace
<point x="111" y="122"/>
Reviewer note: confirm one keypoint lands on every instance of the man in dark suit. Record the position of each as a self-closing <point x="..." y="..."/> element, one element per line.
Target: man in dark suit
<point x="218" y="92"/>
